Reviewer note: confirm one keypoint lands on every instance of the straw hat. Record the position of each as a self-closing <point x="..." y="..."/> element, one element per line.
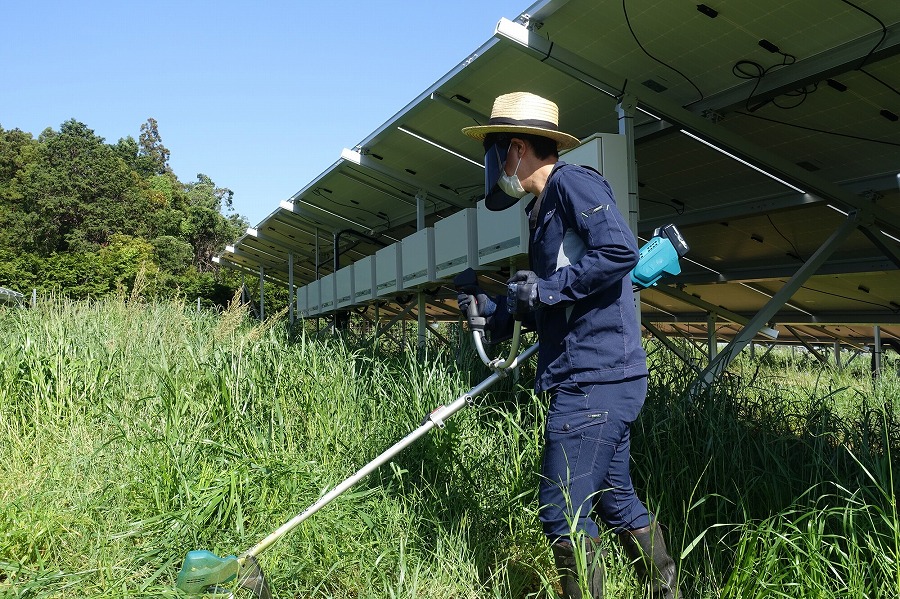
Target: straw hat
<point x="522" y="112"/>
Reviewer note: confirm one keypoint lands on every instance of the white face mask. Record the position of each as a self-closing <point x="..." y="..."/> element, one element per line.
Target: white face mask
<point x="510" y="184"/>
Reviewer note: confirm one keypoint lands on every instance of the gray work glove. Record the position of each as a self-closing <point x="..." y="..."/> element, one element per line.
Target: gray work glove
<point x="522" y="293"/>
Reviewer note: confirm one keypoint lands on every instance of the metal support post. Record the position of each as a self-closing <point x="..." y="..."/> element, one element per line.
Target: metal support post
<point x="318" y="260"/>
<point x="421" y="196"/>
<point x="625" y="110"/>
<point x="399" y="317"/>
<point x="877" y="352"/>
<point x="377" y="320"/>
<point x="672" y="347"/>
<point x="769" y="348"/>
<point x="433" y="330"/>
<point x="262" y="294"/>
<point x="318" y="257"/>
<point x="837" y="354"/>
<point x="821" y="358"/>
<point x="291" y="288"/>
<point x="423" y="320"/>
<point x="336" y="259"/>
<point x="713" y="347"/>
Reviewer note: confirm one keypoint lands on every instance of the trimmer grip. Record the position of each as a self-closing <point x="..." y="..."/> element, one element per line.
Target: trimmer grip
<point x="476" y="321"/>
<point x="472" y="308"/>
<point x="467" y="282"/>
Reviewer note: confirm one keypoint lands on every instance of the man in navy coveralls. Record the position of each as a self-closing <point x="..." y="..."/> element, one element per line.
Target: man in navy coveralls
<point x="591" y="365"/>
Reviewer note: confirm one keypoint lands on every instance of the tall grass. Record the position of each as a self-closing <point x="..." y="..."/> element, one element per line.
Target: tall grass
<point x="784" y="475"/>
<point x="134" y="432"/>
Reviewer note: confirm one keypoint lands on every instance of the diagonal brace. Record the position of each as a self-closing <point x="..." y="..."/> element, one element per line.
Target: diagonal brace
<point x="734" y="347"/>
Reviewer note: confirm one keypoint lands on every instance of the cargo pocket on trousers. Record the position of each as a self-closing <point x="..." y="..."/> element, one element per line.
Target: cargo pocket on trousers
<point x="572" y="442"/>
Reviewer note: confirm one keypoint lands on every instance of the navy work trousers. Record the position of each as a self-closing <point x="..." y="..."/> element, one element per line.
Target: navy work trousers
<point x="586" y="475"/>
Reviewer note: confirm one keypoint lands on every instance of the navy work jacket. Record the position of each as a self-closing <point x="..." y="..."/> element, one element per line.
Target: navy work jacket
<point x="582" y="251"/>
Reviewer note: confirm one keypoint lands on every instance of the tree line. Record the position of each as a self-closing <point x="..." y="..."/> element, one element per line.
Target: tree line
<point x="84" y="218"/>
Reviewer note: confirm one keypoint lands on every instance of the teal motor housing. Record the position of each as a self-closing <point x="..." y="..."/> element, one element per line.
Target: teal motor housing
<point x="659" y="256"/>
<point x="203" y="568"/>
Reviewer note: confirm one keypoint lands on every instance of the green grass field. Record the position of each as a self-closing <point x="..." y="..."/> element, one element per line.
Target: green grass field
<point x="134" y="432"/>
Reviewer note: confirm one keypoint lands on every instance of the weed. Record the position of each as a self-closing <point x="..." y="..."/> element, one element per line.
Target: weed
<point x="135" y="431"/>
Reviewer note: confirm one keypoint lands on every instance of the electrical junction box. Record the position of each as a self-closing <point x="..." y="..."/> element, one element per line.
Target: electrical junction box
<point x="364" y="280"/>
<point x="608" y="153"/>
<point x="387" y="270"/>
<point x="344" y="287"/>
<point x="313" y="298"/>
<point x="327" y="291"/>
<point x="503" y="234"/>
<point x="417" y="259"/>
<point x="302" y="301"/>
<point x="456" y="243"/>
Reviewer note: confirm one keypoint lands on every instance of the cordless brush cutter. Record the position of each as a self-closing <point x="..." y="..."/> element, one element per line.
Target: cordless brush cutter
<point x="204" y="572"/>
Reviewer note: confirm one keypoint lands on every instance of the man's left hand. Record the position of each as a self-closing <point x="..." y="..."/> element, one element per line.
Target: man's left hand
<point x="522" y="293"/>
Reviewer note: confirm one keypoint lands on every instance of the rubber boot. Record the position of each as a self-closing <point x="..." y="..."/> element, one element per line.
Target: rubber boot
<point x="646" y="548"/>
<point x="567" y="566"/>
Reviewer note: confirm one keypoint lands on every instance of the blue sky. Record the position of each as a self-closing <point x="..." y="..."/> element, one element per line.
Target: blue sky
<point x="260" y="96"/>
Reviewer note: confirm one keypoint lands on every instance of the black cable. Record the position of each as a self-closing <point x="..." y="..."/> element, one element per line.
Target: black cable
<point x="852" y="299"/>
<point x="791" y="243"/>
<point x="675" y="204"/>
<point x="460" y="190"/>
<point x="330" y="200"/>
<point x="397" y="189"/>
<point x="802" y="93"/>
<point x="678" y="211"/>
<point x="549" y="50"/>
<point x="883" y="32"/>
<point x="316" y="224"/>
<point x="875" y="47"/>
<point x="386" y="184"/>
<point x="884" y="83"/>
<point x="857" y="137"/>
<point x="668" y="66"/>
<point x="739" y="71"/>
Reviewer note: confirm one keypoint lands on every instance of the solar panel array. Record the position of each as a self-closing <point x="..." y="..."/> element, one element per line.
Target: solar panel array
<point x="779" y="167"/>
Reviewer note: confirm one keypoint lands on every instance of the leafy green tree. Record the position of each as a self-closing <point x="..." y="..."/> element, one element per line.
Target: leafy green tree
<point x="172" y="254"/>
<point x="17" y="152"/>
<point x="152" y="150"/>
<point x="78" y="193"/>
<point x="124" y="256"/>
<point x="78" y="275"/>
<point x="83" y="217"/>
<point x="127" y="149"/>
<point x="204" y="226"/>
